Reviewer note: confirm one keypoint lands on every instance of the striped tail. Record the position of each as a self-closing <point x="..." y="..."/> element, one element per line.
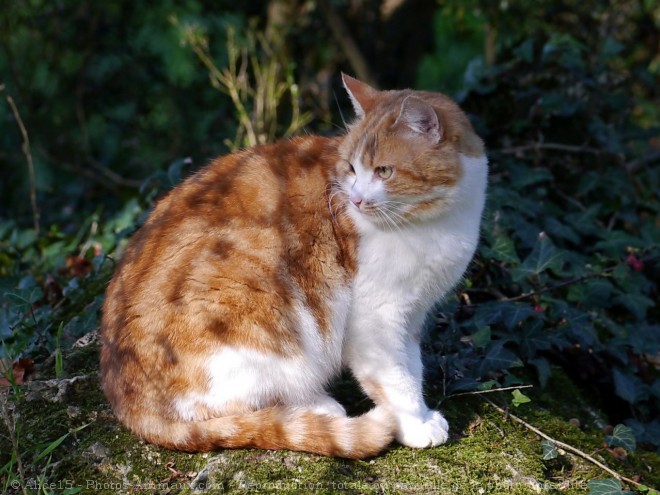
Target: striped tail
<point x="277" y="428"/>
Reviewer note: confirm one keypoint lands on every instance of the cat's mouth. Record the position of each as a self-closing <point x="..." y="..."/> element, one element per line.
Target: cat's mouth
<point x="388" y="213"/>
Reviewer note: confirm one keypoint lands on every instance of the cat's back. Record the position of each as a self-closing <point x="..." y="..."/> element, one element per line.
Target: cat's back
<point x="228" y="258"/>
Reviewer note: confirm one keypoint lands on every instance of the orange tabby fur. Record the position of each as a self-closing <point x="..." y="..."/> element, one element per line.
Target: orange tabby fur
<point x="225" y="259"/>
<point x="235" y="237"/>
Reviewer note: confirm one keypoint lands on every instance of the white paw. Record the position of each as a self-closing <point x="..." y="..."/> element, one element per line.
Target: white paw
<point x="328" y="405"/>
<point x="427" y="431"/>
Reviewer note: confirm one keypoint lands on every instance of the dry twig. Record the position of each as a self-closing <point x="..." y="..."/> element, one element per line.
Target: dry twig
<point x="562" y="445"/>
<point x="492" y="390"/>
<point x="28" y="155"/>
<point x="345" y="39"/>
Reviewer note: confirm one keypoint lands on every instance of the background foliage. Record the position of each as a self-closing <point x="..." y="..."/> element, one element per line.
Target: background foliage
<point x="119" y="106"/>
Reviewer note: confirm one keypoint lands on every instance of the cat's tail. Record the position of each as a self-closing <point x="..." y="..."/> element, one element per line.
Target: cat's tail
<point x="278" y="428"/>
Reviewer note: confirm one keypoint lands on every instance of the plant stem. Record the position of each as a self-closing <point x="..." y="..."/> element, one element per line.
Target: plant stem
<point x="10" y="422"/>
<point x="572" y="281"/>
<point x="28" y="156"/>
<point x="562" y="445"/>
<point x="492" y="390"/>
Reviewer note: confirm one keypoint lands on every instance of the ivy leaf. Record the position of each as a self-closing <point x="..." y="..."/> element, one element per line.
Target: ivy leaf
<point x="649" y="433"/>
<point x="629" y="387"/>
<point x="523" y="176"/>
<point x="616" y="242"/>
<point x="515" y="313"/>
<point x="585" y="221"/>
<point x="542" y="369"/>
<point x="22" y="299"/>
<point x="577" y="324"/>
<point x="637" y="304"/>
<point x="463" y="385"/>
<point x="549" y="450"/>
<point x="622" y="436"/>
<point x="533" y="339"/>
<point x="519" y="398"/>
<point x="481" y="337"/>
<point x="560" y="230"/>
<point x="592" y="293"/>
<point x="498" y="358"/>
<point x="543" y="257"/>
<point x="487" y="314"/>
<point x="609" y="486"/>
<point x="489" y="385"/>
<point x="503" y="249"/>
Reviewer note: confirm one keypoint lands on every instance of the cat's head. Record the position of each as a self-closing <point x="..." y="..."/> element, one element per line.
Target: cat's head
<point x="400" y="161"/>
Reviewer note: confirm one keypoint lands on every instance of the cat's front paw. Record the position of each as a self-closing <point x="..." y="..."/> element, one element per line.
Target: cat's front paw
<point x="428" y="431"/>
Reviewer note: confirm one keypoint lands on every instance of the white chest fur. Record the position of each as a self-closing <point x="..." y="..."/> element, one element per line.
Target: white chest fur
<point x="410" y="268"/>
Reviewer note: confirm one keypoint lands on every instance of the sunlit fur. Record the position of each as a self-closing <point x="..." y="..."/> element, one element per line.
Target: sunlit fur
<point x="258" y="278"/>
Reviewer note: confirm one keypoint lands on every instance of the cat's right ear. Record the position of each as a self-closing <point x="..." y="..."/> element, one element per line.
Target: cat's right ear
<point x="362" y="95"/>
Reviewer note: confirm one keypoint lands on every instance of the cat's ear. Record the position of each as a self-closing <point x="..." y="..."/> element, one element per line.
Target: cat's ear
<point x="362" y="95"/>
<point x="420" y="117"/>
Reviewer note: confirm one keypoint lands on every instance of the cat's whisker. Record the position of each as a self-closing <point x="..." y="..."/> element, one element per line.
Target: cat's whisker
<point x="384" y="219"/>
<point x="398" y="212"/>
<point x="336" y="189"/>
<point x="383" y="213"/>
<point x="395" y="214"/>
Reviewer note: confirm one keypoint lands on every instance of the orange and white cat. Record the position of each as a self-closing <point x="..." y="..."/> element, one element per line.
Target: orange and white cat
<point x="257" y="279"/>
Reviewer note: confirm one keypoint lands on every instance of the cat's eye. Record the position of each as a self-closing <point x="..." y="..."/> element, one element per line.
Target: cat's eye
<point x="350" y="168"/>
<point x="384" y="172"/>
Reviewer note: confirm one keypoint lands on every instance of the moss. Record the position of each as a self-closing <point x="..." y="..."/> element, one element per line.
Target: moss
<point x="488" y="453"/>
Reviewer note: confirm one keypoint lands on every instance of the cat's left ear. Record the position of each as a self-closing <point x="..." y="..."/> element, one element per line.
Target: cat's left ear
<point x="420" y="117"/>
<point x="362" y="95"/>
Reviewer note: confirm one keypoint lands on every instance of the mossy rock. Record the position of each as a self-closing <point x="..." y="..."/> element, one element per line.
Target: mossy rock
<point x="487" y="454"/>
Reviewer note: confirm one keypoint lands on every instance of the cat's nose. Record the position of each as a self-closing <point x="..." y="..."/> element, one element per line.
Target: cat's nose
<point x="356" y="200"/>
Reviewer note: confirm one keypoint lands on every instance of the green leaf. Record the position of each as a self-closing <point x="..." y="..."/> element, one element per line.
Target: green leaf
<point x="577" y="324"/>
<point x="56" y="443"/>
<point x="558" y="229"/>
<point x="596" y="293"/>
<point x="622" y="436"/>
<point x="503" y="250"/>
<point x="515" y="313"/>
<point x="481" y="337"/>
<point x="22" y="299"/>
<point x="609" y="486"/>
<point x="637" y="304"/>
<point x="543" y="257"/>
<point x="629" y="387"/>
<point x="498" y="358"/>
<point x="489" y="385"/>
<point x="532" y="338"/>
<point x="616" y="242"/>
<point x="487" y="314"/>
<point x="549" y="450"/>
<point x="542" y="369"/>
<point x="526" y="176"/>
<point x="519" y="398"/>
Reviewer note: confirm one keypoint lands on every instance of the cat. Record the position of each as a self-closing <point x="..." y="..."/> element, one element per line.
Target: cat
<point x="255" y="281"/>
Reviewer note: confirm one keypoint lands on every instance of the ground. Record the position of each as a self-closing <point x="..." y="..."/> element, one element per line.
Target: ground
<point x="488" y="452"/>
